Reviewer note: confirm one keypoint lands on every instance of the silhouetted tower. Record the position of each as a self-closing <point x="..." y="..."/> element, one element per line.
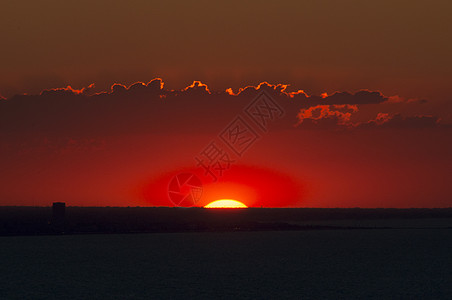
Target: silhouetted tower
<point x="58" y="216"/>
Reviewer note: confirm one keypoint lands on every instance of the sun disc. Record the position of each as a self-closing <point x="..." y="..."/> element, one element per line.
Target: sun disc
<point x="226" y="203"/>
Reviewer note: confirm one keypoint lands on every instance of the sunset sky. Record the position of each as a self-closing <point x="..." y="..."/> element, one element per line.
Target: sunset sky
<point x="102" y="103"/>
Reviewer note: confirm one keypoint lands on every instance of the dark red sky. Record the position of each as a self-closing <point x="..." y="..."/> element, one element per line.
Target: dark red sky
<point x="379" y="137"/>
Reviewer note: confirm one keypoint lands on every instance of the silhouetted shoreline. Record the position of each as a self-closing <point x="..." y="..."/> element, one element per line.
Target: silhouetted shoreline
<point x="16" y="220"/>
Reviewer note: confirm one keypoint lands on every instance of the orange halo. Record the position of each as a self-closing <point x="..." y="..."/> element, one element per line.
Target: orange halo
<point x="226" y="203"/>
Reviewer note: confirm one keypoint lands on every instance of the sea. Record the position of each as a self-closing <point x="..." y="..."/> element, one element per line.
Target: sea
<point x="378" y="263"/>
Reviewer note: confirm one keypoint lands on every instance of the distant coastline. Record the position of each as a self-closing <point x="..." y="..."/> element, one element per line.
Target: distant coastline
<point x="27" y="220"/>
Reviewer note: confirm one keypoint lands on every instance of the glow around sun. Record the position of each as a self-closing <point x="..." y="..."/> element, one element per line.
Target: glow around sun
<point x="226" y="203"/>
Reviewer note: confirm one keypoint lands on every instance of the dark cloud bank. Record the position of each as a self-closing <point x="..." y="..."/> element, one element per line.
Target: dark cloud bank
<point x="150" y="108"/>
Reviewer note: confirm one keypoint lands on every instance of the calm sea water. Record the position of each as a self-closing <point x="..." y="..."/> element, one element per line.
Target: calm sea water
<point x="380" y="264"/>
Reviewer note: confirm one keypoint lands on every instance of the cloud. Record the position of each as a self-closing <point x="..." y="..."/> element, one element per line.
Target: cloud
<point x="150" y="108"/>
<point x="361" y="97"/>
<point x="67" y="91"/>
<point x="196" y="88"/>
<point x="326" y="116"/>
<point x="385" y="120"/>
<point x="340" y="117"/>
<point x="398" y="99"/>
<point x="274" y="89"/>
<point x="152" y="88"/>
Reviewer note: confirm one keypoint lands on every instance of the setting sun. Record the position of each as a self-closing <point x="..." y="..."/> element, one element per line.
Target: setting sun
<point x="226" y="203"/>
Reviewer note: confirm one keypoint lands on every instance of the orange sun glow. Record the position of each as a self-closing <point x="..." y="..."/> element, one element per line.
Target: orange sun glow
<point x="226" y="203"/>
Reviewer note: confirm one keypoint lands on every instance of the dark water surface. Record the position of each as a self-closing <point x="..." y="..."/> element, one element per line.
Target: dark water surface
<point x="328" y="264"/>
